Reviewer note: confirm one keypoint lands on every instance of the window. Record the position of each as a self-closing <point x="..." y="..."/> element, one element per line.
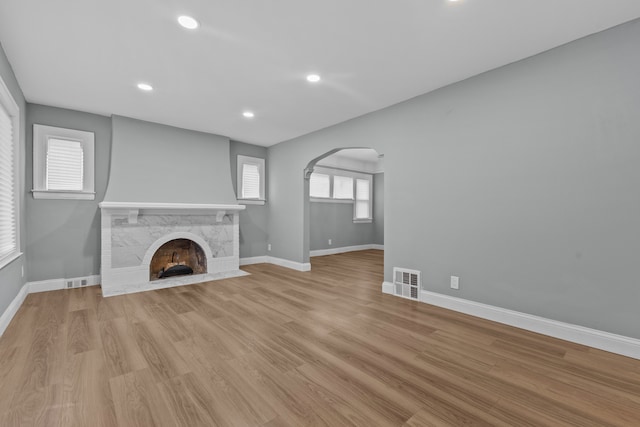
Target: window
<point x="9" y="143"/>
<point x="63" y="163"/>
<point x="251" y="180"/>
<point x="329" y="185"/>
<point x="362" y="210"/>
<point x="319" y="185"/>
<point x="342" y="187"/>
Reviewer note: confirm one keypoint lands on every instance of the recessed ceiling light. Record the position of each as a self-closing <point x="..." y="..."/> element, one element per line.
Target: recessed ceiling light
<point x="248" y="114"/>
<point x="188" y="22"/>
<point x="145" y="86"/>
<point x="313" y="78"/>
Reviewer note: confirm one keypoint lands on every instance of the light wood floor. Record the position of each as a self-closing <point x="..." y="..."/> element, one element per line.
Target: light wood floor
<point x="283" y="348"/>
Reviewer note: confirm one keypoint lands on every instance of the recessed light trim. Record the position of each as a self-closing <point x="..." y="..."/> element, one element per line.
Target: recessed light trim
<point x="313" y="78"/>
<point x="188" y="22"/>
<point x="145" y="87"/>
<point x="248" y="114"/>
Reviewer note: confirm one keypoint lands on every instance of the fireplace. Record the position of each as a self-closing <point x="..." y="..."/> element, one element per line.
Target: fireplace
<point x="177" y="257"/>
<point x="148" y="246"/>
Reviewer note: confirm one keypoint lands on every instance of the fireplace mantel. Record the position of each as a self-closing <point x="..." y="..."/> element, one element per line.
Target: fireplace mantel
<point x="133" y="209"/>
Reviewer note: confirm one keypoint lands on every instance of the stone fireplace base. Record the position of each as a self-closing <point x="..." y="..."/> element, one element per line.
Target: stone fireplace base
<point x="133" y="232"/>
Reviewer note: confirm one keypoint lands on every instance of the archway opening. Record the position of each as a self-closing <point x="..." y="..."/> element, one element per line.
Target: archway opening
<point x="344" y="202"/>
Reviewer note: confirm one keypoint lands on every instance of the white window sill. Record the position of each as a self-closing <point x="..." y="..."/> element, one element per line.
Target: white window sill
<point x="71" y="195"/>
<point x="251" y="202"/>
<point x="363" y="221"/>
<point x="329" y="200"/>
<point x="9" y="259"/>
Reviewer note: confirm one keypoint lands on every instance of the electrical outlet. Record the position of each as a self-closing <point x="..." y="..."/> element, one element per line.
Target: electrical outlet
<point x="330" y="241"/>
<point x="455" y="282"/>
<point x="268" y="246"/>
<point x="69" y="283"/>
<point x="83" y="282"/>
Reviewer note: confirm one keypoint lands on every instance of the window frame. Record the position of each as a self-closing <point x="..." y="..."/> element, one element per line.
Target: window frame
<point x="41" y="136"/>
<point x="370" y="200"/>
<point x="241" y="160"/>
<point x="8" y="103"/>
<point x="329" y="189"/>
<point x="332" y="172"/>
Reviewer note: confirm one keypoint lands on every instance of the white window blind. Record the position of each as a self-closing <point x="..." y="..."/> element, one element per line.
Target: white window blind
<point x="65" y="165"/>
<point x="319" y="185"/>
<point x="342" y="187"/>
<point x="250" y="181"/>
<point x="8" y="234"/>
<point x="363" y="202"/>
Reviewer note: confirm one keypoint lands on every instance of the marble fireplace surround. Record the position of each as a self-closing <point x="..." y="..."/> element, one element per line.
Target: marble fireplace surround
<point x="132" y="232"/>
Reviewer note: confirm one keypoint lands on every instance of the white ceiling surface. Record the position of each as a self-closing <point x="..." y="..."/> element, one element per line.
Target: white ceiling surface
<point x="254" y="54"/>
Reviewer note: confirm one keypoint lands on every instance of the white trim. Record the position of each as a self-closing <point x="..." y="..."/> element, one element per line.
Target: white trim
<point x="330" y="200"/>
<point x="9" y="259"/>
<point x="254" y="260"/>
<point x="13" y="308"/>
<point x="606" y="341"/>
<point x="333" y="251"/>
<point x="388" y="288"/>
<point x="45" y="285"/>
<point x="13" y="110"/>
<point x="185" y="206"/>
<point x="69" y="195"/>
<point x="241" y="160"/>
<point x="289" y="264"/>
<point x="41" y="136"/>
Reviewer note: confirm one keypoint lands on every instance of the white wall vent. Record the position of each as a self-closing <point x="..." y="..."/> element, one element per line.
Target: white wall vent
<point x="406" y="283"/>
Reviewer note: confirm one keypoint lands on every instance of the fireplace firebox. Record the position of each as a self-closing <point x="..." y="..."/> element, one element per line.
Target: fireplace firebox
<point x="177" y="258"/>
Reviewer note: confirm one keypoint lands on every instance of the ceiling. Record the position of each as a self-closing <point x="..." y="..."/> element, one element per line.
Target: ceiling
<point x="254" y="55"/>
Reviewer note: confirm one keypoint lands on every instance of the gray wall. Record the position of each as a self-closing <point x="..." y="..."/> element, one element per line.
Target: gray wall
<point x="151" y="162"/>
<point x="378" y="208"/>
<point x="11" y="279"/>
<point x="526" y="189"/>
<point x="335" y="221"/>
<point x="63" y="236"/>
<point x="254" y="219"/>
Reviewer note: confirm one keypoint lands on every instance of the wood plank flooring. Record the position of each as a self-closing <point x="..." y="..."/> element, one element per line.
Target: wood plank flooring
<point x="284" y="348"/>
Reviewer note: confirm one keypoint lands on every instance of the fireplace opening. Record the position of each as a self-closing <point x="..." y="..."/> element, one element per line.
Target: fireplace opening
<point x="177" y="257"/>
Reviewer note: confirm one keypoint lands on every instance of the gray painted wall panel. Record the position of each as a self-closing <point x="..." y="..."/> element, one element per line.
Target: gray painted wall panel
<point x="11" y="279"/>
<point x="63" y="236"/>
<point x="157" y="163"/>
<point x="522" y="181"/>
<point x="335" y="221"/>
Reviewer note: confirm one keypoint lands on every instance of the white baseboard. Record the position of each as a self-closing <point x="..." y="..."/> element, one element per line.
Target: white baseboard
<point x="44" y="285"/>
<point x="13" y="308"/>
<point x="276" y="261"/>
<point x="253" y="260"/>
<point x="39" y="286"/>
<point x="388" y="288"/>
<point x="333" y="251"/>
<point x="299" y="266"/>
<point x="606" y="341"/>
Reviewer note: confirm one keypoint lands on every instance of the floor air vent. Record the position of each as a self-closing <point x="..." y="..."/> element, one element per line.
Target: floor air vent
<point x="406" y="282"/>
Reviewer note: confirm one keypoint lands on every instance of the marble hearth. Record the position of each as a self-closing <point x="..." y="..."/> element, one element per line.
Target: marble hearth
<point x="133" y="232"/>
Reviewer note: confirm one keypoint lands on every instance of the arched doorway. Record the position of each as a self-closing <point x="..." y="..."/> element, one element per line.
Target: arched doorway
<point x="344" y="202"/>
